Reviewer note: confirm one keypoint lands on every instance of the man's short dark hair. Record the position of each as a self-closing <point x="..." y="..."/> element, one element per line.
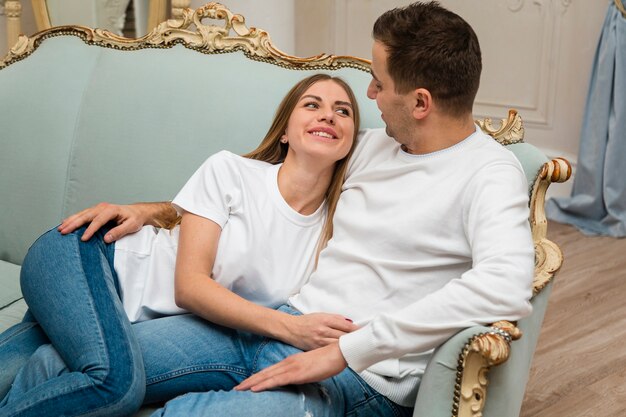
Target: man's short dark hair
<point x="431" y="47"/>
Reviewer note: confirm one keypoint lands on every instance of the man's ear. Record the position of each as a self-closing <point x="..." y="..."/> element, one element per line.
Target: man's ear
<point x="423" y="103"/>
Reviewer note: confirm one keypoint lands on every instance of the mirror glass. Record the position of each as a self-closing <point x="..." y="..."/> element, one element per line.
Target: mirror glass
<point x="123" y="17"/>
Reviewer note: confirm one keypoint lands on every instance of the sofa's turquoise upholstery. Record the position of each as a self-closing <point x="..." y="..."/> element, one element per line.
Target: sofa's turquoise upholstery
<point x="531" y="159"/>
<point x="80" y="124"/>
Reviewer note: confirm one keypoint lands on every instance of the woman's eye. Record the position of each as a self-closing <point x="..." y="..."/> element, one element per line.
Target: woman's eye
<point x="343" y="111"/>
<point x="311" y="105"/>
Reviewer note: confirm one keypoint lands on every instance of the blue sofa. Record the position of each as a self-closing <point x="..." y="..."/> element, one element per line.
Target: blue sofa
<point x="86" y="116"/>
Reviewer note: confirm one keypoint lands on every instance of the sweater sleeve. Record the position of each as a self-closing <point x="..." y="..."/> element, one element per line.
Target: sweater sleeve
<point x="497" y="287"/>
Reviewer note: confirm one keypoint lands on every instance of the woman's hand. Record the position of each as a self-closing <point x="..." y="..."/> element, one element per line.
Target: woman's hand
<point x="315" y="330"/>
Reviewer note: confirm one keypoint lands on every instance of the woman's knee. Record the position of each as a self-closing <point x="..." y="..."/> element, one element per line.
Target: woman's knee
<point x="51" y="253"/>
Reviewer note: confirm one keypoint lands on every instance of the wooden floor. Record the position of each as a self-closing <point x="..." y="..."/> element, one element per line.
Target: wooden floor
<point x="579" y="368"/>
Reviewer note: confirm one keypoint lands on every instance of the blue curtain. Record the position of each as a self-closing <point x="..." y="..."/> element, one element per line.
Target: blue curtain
<point x="597" y="205"/>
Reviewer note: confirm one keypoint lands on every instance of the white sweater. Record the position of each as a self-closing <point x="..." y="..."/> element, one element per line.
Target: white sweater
<point x="423" y="246"/>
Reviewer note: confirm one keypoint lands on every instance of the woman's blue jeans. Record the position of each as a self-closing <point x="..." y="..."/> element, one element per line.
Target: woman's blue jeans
<point x="181" y="354"/>
<point x="70" y="288"/>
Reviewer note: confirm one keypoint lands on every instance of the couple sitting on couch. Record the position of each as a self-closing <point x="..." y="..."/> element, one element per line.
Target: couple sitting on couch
<point x="322" y="270"/>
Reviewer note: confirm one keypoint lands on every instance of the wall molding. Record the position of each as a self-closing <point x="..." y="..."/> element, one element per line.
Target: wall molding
<point x="539" y="113"/>
<point x="517" y="5"/>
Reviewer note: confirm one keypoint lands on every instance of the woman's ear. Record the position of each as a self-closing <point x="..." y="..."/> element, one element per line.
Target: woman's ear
<point x="423" y="101"/>
<point x="283" y="139"/>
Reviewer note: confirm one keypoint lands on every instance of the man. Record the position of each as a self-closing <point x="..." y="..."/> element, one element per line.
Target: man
<point x="431" y="236"/>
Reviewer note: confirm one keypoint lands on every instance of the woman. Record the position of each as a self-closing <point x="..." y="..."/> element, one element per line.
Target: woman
<point x="72" y="287"/>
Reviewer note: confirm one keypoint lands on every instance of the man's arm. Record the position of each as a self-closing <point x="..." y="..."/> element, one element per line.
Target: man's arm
<point x="129" y="218"/>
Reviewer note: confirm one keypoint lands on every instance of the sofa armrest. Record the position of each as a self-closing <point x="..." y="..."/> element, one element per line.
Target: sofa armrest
<point x="455" y="381"/>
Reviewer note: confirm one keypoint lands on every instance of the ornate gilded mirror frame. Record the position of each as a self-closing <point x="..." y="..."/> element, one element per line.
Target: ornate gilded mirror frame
<point x="190" y="31"/>
<point x="13" y="13"/>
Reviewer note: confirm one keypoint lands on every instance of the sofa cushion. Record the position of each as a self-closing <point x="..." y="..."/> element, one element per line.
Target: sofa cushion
<point x="12" y="305"/>
<point x="9" y="284"/>
<point x="12" y="314"/>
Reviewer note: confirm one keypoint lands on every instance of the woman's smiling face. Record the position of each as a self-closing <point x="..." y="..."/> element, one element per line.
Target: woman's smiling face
<point x="322" y="123"/>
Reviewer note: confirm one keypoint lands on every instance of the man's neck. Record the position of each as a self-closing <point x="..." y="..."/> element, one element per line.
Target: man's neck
<point x="439" y="132"/>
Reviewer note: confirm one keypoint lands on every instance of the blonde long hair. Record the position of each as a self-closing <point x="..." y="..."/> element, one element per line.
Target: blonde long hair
<point x="272" y="150"/>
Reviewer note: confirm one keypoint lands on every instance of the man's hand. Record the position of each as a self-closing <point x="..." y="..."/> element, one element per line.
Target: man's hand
<point x="315" y="330"/>
<point x="302" y="368"/>
<point x="129" y="219"/>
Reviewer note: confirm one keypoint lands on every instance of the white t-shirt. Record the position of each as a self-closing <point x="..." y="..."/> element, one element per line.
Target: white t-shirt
<point x="423" y="246"/>
<point x="266" y="249"/>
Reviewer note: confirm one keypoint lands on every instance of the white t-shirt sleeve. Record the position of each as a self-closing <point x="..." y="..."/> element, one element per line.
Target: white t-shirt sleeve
<point x="211" y="192"/>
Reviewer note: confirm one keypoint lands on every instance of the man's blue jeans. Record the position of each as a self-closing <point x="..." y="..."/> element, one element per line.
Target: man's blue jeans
<point x="70" y="288"/>
<point x="181" y="354"/>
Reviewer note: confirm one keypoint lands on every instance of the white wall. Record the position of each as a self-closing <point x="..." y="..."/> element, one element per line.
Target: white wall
<point x="537" y="58"/>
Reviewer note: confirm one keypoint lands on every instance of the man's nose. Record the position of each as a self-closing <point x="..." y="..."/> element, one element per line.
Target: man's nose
<point x="371" y="91"/>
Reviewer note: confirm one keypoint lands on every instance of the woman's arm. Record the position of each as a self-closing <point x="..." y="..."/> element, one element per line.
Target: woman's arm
<point x="197" y="292"/>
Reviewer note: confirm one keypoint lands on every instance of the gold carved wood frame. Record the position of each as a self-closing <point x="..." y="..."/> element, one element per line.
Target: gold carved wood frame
<point x="188" y="29"/>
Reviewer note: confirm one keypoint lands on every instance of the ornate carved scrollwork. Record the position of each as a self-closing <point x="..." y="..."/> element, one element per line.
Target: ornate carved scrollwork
<point x="548" y="256"/>
<point x="480" y="353"/>
<point x="190" y="31"/>
<point x="511" y="129"/>
<point x="12" y="8"/>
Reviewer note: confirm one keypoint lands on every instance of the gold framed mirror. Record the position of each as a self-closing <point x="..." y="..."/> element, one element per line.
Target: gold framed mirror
<point x="105" y="14"/>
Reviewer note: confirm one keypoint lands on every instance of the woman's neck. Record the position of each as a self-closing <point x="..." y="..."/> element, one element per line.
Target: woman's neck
<point x="304" y="188"/>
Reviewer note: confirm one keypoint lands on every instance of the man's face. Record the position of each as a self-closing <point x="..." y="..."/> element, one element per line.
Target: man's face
<point x="395" y="108"/>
